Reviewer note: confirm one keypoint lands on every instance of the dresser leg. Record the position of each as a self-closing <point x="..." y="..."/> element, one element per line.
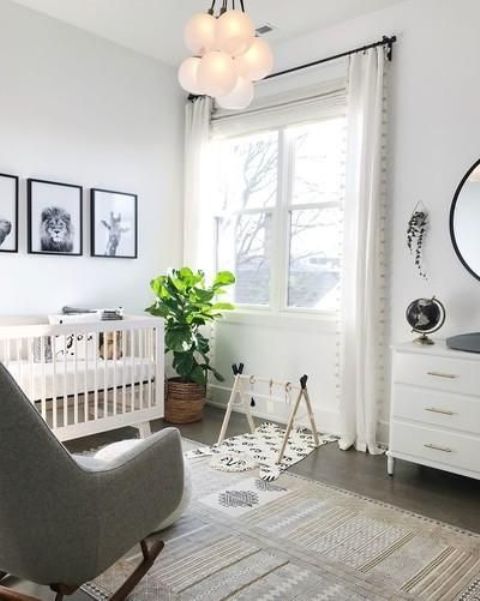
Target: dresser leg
<point x="390" y="465"/>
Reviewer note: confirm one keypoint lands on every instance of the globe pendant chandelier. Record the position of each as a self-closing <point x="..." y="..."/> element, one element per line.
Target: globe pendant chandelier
<point x="227" y="57"/>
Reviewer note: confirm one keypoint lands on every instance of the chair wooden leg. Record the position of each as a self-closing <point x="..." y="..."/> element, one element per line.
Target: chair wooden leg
<point x="150" y="554"/>
<point x="149" y="557"/>
<point x="62" y="590"/>
<point x="8" y="594"/>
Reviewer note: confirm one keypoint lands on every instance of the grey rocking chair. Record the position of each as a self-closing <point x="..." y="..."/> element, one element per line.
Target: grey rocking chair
<point x="64" y="521"/>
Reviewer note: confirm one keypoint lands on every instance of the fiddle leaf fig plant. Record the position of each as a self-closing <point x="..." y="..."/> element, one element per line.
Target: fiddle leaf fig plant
<point x="187" y="303"/>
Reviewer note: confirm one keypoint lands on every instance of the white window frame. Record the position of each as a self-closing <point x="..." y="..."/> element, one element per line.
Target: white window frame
<point x="281" y="213"/>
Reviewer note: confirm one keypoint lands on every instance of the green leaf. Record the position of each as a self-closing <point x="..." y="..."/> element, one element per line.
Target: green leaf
<point x="178" y="338"/>
<point x="158" y="310"/>
<point x="198" y="375"/>
<point x="224" y="278"/>
<point x="179" y="284"/>
<point x="186" y="273"/>
<point x="204" y="296"/>
<point x="218" y="376"/>
<point x="158" y="286"/>
<point x="183" y="363"/>
<point x="203" y="344"/>
<point x="223" y="307"/>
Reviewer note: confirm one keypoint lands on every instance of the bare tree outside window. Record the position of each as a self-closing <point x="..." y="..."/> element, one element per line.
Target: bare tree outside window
<point x="253" y="200"/>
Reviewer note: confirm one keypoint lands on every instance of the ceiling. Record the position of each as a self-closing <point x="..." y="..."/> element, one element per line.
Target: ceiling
<point x="155" y="27"/>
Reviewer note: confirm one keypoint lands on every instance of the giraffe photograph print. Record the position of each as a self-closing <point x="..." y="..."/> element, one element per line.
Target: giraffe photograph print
<point x="114" y="224"/>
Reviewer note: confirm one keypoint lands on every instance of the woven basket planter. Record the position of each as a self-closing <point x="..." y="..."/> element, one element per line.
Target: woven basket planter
<point x="184" y="402"/>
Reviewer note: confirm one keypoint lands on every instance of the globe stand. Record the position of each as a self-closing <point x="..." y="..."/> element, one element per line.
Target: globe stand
<point x="425" y="316"/>
<point x="424" y="340"/>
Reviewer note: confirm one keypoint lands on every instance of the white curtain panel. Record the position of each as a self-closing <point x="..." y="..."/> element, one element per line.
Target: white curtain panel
<point x="362" y="289"/>
<point x="198" y="222"/>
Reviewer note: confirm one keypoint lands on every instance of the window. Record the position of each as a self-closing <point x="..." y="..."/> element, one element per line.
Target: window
<point x="279" y="214"/>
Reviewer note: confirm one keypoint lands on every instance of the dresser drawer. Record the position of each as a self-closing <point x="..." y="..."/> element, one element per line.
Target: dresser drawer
<point x="442" y="373"/>
<point x="447" y="448"/>
<point x="443" y="409"/>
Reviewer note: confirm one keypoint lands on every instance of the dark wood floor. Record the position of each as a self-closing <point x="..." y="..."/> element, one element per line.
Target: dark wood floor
<point x="438" y="495"/>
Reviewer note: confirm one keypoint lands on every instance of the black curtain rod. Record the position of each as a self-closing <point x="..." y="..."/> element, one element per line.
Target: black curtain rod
<point x="385" y="41"/>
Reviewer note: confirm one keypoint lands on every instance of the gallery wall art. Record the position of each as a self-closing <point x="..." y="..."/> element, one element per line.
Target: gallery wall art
<point x="55" y="218"/>
<point x="8" y="213"/>
<point x="114" y="224"/>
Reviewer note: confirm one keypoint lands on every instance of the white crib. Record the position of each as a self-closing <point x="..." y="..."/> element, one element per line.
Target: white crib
<point x="88" y="378"/>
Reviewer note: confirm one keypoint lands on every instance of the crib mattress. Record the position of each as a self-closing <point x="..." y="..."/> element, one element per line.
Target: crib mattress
<point x="39" y="381"/>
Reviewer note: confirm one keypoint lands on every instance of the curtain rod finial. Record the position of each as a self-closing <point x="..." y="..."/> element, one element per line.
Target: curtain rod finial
<point x="389" y="42"/>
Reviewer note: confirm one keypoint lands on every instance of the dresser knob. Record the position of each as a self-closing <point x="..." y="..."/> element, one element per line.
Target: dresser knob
<point x="441" y="411"/>
<point x="437" y="448"/>
<point x="439" y="374"/>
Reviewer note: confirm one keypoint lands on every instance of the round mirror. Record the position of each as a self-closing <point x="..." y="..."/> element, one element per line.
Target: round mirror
<point x="465" y="221"/>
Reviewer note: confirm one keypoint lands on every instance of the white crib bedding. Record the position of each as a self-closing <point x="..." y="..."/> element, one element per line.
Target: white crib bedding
<point x="39" y="381"/>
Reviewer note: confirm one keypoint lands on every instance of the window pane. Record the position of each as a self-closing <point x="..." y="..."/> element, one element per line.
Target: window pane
<point x="314" y="270"/>
<point x="318" y="154"/>
<point x="245" y="246"/>
<point x="247" y="172"/>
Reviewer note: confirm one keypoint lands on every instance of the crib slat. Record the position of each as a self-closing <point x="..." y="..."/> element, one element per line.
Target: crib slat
<point x="132" y="381"/>
<point x="124" y="373"/>
<point x="85" y="378"/>
<point x="95" y="376"/>
<point x="19" y="363"/>
<point x="54" y="379"/>
<point x="145" y="369"/>
<point x="141" y="353"/>
<point x="158" y="374"/>
<point x="75" y="379"/>
<point x="115" y="383"/>
<point x="105" y="376"/>
<point x="65" y="376"/>
<point x="43" y="394"/>
<point x="149" y="369"/>
<point x="30" y="343"/>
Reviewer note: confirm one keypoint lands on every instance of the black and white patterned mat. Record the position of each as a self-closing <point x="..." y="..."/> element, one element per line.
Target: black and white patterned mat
<point x="260" y="450"/>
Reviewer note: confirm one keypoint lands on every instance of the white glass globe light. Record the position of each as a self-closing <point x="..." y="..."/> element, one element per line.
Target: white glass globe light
<point x="235" y="32"/>
<point x="188" y="75"/>
<point x="239" y="98"/>
<point x="200" y="33"/>
<point x="217" y="75"/>
<point x="257" y="62"/>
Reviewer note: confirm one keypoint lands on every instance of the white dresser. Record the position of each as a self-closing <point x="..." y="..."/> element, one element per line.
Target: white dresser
<point x="435" y="415"/>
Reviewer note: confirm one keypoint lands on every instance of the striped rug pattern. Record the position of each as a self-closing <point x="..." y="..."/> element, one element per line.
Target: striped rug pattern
<point x="314" y="543"/>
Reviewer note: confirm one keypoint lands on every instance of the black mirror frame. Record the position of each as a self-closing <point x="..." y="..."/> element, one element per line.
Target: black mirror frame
<point x="452" y="220"/>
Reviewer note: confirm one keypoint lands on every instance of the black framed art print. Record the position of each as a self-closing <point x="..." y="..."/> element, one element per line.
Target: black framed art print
<point x="55" y="218"/>
<point x="114" y="224"/>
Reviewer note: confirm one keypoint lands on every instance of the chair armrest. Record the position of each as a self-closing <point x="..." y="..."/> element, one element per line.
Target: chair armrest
<point x="119" y="459"/>
<point x="135" y="492"/>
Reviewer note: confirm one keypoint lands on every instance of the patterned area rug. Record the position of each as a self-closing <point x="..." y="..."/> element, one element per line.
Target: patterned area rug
<point x="260" y="450"/>
<point x="245" y="539"/>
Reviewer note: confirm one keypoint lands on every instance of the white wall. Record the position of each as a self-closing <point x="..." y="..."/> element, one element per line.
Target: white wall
<point x="284" y="349"/>
<point x="78" y="109"/>
<point x="434" y="139"/>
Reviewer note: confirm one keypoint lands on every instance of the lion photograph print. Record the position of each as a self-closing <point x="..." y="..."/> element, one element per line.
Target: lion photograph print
<point x="54" y="218"/>
<point x="8" y="213"/>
